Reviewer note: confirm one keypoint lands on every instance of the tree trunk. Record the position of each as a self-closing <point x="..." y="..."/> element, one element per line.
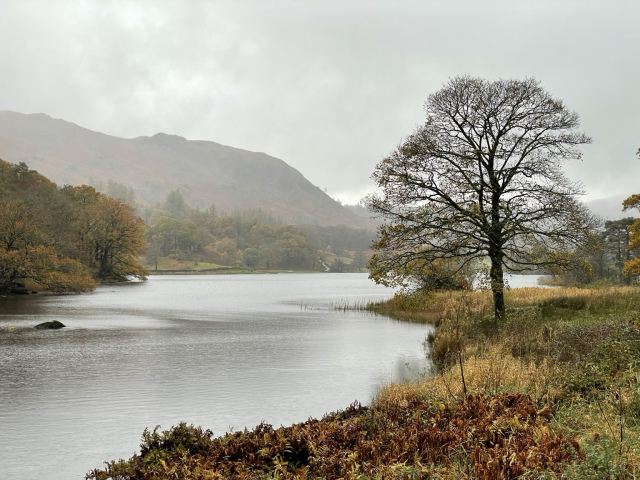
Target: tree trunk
<point x="495" y="250"/>
<point x="103" y="271"/>
<point x="497" y="284"/>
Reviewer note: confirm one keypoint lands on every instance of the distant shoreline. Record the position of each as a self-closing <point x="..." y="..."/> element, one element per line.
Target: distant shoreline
<point x="232" y="271"/>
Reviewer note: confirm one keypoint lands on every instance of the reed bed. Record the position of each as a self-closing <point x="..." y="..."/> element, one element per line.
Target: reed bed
<point x="309" y="306"/>
<point x="354" y="305"/>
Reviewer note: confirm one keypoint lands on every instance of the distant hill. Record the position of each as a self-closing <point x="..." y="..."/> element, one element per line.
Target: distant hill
<point x="360" y="210"/>
<point x="205" y="172"/>
<point x="610" y="208"/>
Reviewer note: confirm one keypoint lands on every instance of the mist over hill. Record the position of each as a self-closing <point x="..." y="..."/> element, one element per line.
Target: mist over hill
<point x="610" y="208"/>
<point x="205" y="172"/>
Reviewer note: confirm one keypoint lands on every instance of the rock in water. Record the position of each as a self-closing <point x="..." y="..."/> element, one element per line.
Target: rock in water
<point x="49" y="325"/>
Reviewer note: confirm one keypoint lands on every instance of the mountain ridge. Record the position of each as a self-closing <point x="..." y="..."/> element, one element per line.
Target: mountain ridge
<point x="205" y="171"/>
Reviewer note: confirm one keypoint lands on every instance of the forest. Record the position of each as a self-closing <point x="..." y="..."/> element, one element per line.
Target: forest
<point x="253" y="238"/>
<point x="70" y="238"/>
<point x="182" y="237"/>
<point x="63" y="238"/>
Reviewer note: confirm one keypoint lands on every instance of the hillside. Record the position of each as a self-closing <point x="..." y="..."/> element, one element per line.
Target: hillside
<point x="206" y="172"/>
<point x="610" y="208"/>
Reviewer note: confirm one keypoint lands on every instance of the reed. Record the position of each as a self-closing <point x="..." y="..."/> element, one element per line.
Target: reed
<point x="354" y="305"/>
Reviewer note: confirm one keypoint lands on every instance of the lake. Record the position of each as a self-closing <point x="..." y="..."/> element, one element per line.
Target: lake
<point x="224" y="352"/>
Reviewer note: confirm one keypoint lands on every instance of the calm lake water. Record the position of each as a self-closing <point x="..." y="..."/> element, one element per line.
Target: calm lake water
<point x="224" y="352"/>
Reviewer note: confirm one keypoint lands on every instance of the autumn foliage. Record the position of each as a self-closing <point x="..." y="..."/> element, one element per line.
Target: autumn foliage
<point x="64" y="239"/>
<point x="632" y="267"/>
<point x="499" y="437"/>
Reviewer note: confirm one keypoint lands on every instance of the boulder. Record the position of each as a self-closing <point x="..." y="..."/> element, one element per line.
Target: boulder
<point x="49" y="325"/>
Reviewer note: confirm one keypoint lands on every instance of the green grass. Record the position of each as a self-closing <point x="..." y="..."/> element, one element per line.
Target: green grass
<point x="169" y="266"/>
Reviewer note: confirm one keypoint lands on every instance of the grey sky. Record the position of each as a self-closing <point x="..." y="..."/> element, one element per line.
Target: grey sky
<point x="328" y="86"/>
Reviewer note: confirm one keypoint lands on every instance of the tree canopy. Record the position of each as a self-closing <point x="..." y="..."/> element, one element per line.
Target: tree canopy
<point x="481" y="179"/>
<point x="63" y="238"/>
<point x="251" y="238"/>
<point x="632" y="266"/>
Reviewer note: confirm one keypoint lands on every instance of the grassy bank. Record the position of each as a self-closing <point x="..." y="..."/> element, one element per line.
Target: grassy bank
<point x="222" y="271"/>
<point x="574" y="352"/>
<point x="551" y="392"/>
<point x="168" y="266"/>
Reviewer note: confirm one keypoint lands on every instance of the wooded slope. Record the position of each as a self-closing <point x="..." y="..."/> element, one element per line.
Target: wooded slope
<point x="206" y="172"/>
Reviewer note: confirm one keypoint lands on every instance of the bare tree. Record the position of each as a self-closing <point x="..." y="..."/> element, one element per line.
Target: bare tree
<point x="482" y="178"/>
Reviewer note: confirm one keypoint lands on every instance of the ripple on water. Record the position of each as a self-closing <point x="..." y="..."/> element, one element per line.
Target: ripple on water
<point x="220" y="351"/>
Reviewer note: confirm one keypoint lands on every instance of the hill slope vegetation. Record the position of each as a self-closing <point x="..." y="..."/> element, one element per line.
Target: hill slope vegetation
<point x="205" y="172"/>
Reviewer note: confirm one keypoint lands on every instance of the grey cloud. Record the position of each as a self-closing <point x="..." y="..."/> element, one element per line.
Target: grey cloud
<point x="329" y="87"/>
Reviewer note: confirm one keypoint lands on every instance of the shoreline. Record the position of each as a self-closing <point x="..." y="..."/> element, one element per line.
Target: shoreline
<point x="229" y="271"/>
<point x="544" y="410"/>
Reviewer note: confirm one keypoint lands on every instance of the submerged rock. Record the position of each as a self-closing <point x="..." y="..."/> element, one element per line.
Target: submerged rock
<point x="49" y="325"/>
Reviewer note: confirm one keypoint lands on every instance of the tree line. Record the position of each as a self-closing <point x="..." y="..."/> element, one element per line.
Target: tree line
<point x="63" y="238"/>
<point x="249" y="238"/>
<point x="614" y="251"/>
<point x="70" y="238"/>
<point x="632" y="265"/>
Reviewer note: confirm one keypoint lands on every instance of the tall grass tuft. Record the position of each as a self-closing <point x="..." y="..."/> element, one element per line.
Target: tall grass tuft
<point x="357" y="305"/>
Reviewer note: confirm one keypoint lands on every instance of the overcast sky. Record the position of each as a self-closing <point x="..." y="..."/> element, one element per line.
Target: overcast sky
<point x="330" y="87"/>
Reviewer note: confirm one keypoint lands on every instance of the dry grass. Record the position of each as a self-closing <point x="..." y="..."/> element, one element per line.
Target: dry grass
<point x="574" y="351"/>
<point x="494" y="357"/>
<point x="494" y="371"/>
<point x="439" y="306"/>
